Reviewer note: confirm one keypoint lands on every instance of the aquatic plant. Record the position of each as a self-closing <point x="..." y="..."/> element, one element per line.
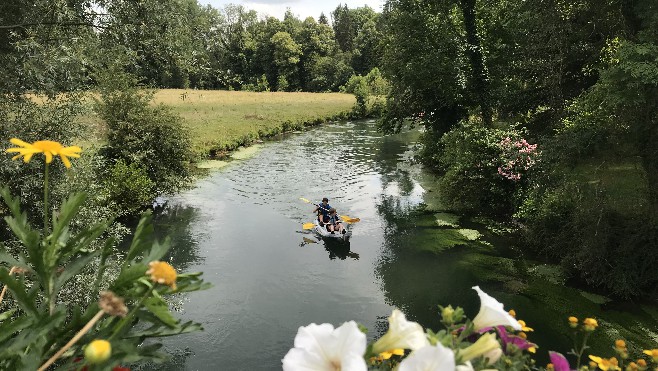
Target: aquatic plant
<point x="38" y="326"/>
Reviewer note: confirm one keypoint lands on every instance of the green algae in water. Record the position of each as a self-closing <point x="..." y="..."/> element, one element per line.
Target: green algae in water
<point x="550" y="272"/>
<point x="244" y="153"/>
<point x="211" y="164"/>
<point x="437" y="240"/>
<point x="597" y="299"/>
<point x="447" y="220"/>
<point x="470" y="234"/>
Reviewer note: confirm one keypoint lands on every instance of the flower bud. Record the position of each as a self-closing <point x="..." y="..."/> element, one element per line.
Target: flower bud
<point x="573" y="322"/>
<point x="590" y="324"/>
<point x="447" y="313"/>
<point x="98" y="351"/>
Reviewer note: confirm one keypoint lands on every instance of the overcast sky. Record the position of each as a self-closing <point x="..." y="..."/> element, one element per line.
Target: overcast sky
<point x="301" y="8"/>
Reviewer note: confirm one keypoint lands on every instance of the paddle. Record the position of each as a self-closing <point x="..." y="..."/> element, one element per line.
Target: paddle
<point x="344" y="218"/>
<point x="308" y="225"/>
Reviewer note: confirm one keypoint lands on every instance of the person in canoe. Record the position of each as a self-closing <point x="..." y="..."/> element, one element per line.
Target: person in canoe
<point x="335" y="223"/>
<point x="322" y="210"/>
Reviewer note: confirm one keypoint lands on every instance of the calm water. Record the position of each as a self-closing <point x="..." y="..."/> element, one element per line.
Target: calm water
<point x="241" y="226"/>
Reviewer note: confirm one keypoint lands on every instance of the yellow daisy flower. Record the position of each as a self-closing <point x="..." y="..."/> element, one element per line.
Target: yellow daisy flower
<point x="606" y="364"/>
<point x="524" y="327"/>
<point x="48" y="147"/>
<point x="653" y="353"/>
<point x="162" y="272"/>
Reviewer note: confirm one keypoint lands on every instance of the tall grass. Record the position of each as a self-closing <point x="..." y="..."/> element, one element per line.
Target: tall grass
<point x="224" y="120"/>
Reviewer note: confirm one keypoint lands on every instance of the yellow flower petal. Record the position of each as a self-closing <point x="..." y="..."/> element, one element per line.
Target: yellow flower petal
<point x="49" y="149"/>
<point x="65" y="161"/>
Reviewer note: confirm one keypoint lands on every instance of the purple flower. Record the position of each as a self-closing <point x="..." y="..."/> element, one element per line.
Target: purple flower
<point x="507" y="339"/>
<point x="559" y="362"/>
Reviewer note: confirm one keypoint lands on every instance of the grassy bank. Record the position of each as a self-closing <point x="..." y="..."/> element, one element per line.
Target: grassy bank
<point x="224" y="120"/>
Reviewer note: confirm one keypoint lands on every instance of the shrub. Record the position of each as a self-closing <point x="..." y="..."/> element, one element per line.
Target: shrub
<point x="151" y="137"/>
<point x="477" y="178"/>
<point x="129" y="188"/>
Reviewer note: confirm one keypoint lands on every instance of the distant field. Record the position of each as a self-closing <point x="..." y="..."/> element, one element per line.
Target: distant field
<point x="221" y="120"/>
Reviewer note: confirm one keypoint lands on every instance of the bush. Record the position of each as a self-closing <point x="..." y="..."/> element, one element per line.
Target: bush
<point x="596" y="235"/>
<point x="129" y="188"/>
<point x="152" y="138"/>
<point x="473" y="158"/>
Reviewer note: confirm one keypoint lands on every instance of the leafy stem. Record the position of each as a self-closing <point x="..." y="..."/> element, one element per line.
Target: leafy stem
<point x="128" y="317"/>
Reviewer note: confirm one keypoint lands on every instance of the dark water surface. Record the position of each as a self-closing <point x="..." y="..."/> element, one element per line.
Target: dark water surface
<point x="241" y="226"/>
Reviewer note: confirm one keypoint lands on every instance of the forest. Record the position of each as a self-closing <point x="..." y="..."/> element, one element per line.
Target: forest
<point x="540" y="116"/>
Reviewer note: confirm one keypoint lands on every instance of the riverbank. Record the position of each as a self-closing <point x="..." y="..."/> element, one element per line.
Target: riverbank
<point x="220" y="121"/>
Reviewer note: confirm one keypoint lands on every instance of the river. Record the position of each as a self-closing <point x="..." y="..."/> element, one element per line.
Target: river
<point x="242" y="226"/>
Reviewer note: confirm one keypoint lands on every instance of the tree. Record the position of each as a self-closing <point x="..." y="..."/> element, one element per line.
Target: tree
<point x="286" y="57"/>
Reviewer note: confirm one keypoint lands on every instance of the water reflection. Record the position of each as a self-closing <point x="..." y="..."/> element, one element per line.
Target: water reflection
<point x="177" y="222"/>
<point x="336" y="249"/>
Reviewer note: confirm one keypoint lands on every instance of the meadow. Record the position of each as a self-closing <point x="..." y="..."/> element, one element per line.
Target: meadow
<point x="221" y="121"/>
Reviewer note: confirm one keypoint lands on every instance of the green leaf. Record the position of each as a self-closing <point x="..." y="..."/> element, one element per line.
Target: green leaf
<point x="7" y="314"/>
<point x="160" y="309"/>
<point x="143" y="234"/>
<point x="31" y="342"/>
<point x="83" y="239"/>
<point x="73" y="269"/>
<point x="158" y="250"/>
<point x="157" y="331"/>
<point x="8" y="329"/>
<point x="67" y="211"/>
<point x="5" y="257"/>
<point x="18" y="290"/>
<point x="128" y="276"/>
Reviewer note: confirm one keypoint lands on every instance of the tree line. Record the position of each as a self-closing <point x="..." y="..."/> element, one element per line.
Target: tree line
<point x="181" y="44"/>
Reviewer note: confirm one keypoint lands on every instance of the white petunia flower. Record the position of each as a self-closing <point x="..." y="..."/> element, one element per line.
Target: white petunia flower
<point x="492" y="313"/>
<point x="429" y="358"/>
<point x="401" y="334"/>
<point x="321" y="347"/>
<point x="485" y="344"/>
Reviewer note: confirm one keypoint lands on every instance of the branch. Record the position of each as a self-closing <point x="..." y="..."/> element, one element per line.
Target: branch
<point x="66" y="24"/>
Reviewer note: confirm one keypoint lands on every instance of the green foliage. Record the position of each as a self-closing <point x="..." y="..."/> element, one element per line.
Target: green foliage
<point x="151" y="137"/>
<point x="470" y="157"/>
<point x="129" y="188"/>
<point x="39" y="321"/>
<point x="31" y="121"/>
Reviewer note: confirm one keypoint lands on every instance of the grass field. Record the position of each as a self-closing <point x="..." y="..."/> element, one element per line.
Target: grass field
<point x="224" y="120"/>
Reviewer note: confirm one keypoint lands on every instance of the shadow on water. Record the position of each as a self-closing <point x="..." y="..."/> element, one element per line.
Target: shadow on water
<point x="177" y="222"/>
<point x="431" y="257"/>
<point x="336" y="249"/>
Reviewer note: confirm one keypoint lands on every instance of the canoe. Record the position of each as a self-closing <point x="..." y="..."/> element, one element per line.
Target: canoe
<point x="324" y="233"/>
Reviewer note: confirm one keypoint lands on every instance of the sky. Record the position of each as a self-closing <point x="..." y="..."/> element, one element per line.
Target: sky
<point x="301" y="8"/>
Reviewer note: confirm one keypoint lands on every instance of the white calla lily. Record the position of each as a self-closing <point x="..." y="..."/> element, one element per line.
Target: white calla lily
<point x="401" y="334"/>
<point x="321" y="347"/>
<point x="492" y="313"/>
<point x="429" y="358"/>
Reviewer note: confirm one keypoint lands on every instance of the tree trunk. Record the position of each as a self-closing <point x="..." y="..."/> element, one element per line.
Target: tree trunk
<point x="479" y="78"/>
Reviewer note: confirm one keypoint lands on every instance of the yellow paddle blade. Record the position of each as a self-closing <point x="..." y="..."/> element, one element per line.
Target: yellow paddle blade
<point x="305" y="200"/>
<point x="349" y="220"/>
<point x="308" y="225"/>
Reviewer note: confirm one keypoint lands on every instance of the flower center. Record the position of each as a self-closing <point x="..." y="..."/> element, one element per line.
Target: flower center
<point x="48" y="146"/>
